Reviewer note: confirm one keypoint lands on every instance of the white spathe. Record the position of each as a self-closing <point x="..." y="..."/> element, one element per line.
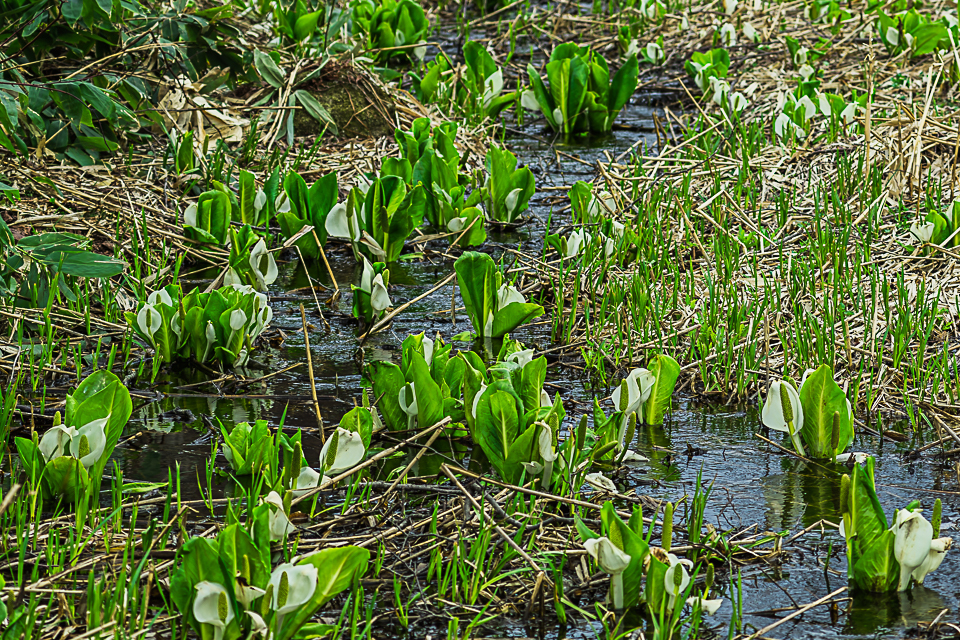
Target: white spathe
<point x="301" y="583"/>
<point x="348" y="453"/>
<point x="633" y="391"/>
<point x="508" y="294"/>
<point x="528" y="100"/>
<point x="263" y="265"/>
<point x="89" y="442"/>
<point x="280" y="525"/>
<point x="708" y="606"/>
<point x="340" y="225"/>
<point x="149" y="320"/>
<point x="512" y="202"/>
<point x="750" y="33"/>
<point x="613" y="560"/>
<point x="308" y="479"/>
<point x="600" y="481"/>
<point x="654" y="52"/>
<point x="772" y="412"/>
<point x="737" y="102"/>
<point x="938" y="551"/>
<point x="56" y="442"/>
<point x="728" y="35"/>
<point x="575" y="242"/>
<point x="670" y="585"/>
<point x="922" y="231"/>
<point x="379" y="298"/>
<point x="492" y="87"/>
<point x="211" y="605"/>
<point x="522" y="357"/>
<point x="911" y="544"/>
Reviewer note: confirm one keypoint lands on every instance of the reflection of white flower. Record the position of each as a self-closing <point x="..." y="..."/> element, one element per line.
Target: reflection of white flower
<point x="600" y="481"/>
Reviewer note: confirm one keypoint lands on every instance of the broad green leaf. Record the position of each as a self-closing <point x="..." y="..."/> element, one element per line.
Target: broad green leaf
<point x="497" y="425"/>
<point x="877" y="569"/>
<point x="387" y="381"/>
<point x="666" y="370"/>
<point x="359" y="421"/>
<point x="821" y="397"/>
<point x="476" y="275"/>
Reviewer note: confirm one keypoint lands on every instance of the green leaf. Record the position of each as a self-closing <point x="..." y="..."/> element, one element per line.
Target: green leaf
<point x="268" y="69"/>
<point x="305" y="26"/>
<point x="513" y="315"/>
<point x="476" y="275"/>
<point x="877" y="569"/>
<point x="666" y="371"/>
<point x="429" y="398"/>
<point x="129" y="488"/>
<point x="359" y="421"/>
<point x="387" y="381"/>
<point x="821" y="397"/>
<point x="497" y="426"/>
<point x="316" y="110"/>
<point x="622" y="86"/>
<point x="627" y="540"/>
<point x="66" y="476"/>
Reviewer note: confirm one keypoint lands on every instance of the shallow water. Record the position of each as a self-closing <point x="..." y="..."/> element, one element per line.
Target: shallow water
<point x="753" y="485"/>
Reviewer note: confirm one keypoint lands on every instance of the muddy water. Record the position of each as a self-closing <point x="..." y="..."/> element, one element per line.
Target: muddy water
<point x="753" y="486"/>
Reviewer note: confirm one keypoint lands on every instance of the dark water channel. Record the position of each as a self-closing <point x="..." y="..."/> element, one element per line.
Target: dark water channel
<point x="753" y="485"/>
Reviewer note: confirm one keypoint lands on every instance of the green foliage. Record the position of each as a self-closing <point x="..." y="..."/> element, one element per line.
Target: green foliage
<point x="494" y="308"/>
<point x="69" y="460"/>
<point x="209" y="219"/>
<point x="582" y="96"/>
<point x="236" y="569"/>
<point x="220" y="325"/>
<point x="825" y="409"/>
<point x="704" y="66"/>
<point x="508" y="189"/>
<point x="389" y="24"/>
<point x="301" y="206"/>
<point x="913" y="32"/>
<point x="391" y="211"/>
<point x="484" y="80"/>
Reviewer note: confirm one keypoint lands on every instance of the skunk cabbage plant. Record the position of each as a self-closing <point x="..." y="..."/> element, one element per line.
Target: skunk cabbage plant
<point x="882" y="558"/>
<point x="484" y="78"/>
<point x="508" y="189"/>
<point x="299" y="206"/>
<point x="619" y="543"/>
<point x="388" y="24"/>
<point x="226" y="590"/>
<point x="221" y="324"/>
<point x="68" y="461"/>
<point x="370" y="299"/>
<point x="494" y="308"/>
<point x="819" y="418"/>
<point x="250" y="262"/>
<point x="582" y="96"/>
